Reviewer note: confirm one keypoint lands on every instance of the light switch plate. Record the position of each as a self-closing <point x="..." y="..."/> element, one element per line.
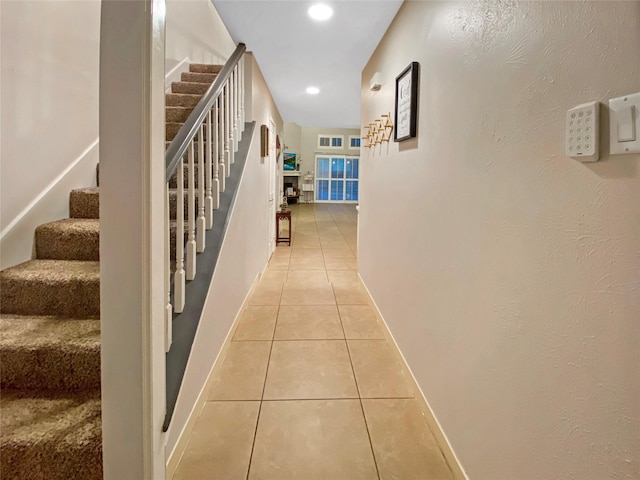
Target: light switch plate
<point x="624" y="124"/>
<point x="582" y="132"/>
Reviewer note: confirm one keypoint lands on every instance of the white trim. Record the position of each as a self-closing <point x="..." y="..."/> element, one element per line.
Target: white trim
<point x="349" y="147"/>
<point x="175" y="72"/>
<point x="47" y="189"/>
<point x="436" y="429"/>
<point x="331" y="138"/>
<point x="175" y="456"/>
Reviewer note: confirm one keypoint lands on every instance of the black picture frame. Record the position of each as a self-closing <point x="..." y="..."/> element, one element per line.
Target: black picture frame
<point x="406" y="104"/>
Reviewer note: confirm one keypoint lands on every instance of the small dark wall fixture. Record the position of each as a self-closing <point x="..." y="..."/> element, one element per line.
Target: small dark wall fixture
<point x="264" y="141"/>
<point x="406" y="111"/>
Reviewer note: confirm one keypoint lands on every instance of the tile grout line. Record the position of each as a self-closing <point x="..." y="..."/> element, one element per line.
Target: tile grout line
<point x="266" y="373"/>
<point x="364" y="417"/>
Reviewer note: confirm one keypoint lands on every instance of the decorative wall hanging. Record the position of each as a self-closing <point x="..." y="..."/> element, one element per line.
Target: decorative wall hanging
<point x="264" y="141"/>
<point x="278" y="150"/>
<point x="406" y="112"/>
<point x="378" y="131"/>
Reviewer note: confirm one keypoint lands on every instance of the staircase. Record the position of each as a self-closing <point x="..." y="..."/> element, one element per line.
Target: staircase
<point x="50" y="332"/>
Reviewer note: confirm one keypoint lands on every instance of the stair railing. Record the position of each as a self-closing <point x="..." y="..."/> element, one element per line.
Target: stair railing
<point x="215" y="127"/>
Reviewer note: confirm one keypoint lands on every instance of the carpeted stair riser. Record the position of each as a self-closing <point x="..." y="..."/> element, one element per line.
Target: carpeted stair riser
<point x="69" y="239"/>
<point x="69" y="289"/>
<point x="204" y="68"/>
<point x="55" y="437"/>
<point x="194" y="77"/>
<point x="177" y="114"/>
<point x="181" y="100"/>
<point x="172" y="128"/>
<point x="84" y="203"/>
<point x="49" y="353"/>
<point x="192" y="88"/>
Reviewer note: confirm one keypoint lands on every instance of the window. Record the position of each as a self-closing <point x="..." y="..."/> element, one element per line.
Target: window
<point x="354" y="142"/>
<point x="337" y="178"/>
<point x="330" y="141"/>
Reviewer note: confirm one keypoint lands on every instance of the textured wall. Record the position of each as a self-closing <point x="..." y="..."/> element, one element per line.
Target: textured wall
<point x="49" y="113"/>
<point x="508" y="273"/>
<point x="195" y="31"/>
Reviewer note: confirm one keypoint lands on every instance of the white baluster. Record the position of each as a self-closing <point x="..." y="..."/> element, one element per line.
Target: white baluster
<point x="201" y="222"/>
<point x="179" y="283"/>
<point x="168" y="309"/>
<point x="242" y="117"/>
<point x="221" y="143"/>
<point x="234" y="111"/>
<point x="211" y="166"/>
<point x="228" y="150"/>
<point x="191" y="220"/>
<point x="215" y="186"/>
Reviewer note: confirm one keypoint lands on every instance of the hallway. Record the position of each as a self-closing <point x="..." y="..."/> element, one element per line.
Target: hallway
<point x="310" y="386"/>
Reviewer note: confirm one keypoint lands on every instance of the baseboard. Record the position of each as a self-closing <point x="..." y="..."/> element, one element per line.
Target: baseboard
<point x="52" y="203"/>
<point x="176" y="455"/>
<point x="174" y="73"/>
<point x="435" y="427"/>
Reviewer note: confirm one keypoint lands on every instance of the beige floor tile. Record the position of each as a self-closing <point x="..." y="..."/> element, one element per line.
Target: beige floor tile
<point x="279" y="262"/>
<point x="403" y="445"/>
<point x="220" y="445"/>
<point x="333" y="253"/>
<point x="324" y="439"/>
<point x="273" y="276"/>
<point x="346" y="263"/>
<point x="338" y="277"/>
<point x="300" y="277"/>
<point x="361" y="322"/>
<point x="307" y="259"/>
<point x="242" y="373"/>
<point x="256" y="323"/>
<point x="354" y="294"/>
<point x="308" y="323"/>
<point x="307" y="294"/>
<point x="379" y="370"/>
<point x="305" y="244"/>
<point x="267" y="293"/>
<point x="310" y="369"/>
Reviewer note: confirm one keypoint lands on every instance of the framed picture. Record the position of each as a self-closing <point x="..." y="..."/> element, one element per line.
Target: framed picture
<point x="406" y="113"/>
<point x="264" y="141"/>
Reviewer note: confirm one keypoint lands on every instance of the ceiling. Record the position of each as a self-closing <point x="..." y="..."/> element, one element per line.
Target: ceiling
<point x="295" y="52"/>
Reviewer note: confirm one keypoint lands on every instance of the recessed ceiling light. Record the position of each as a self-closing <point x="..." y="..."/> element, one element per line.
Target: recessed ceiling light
<point x="320" y="12"/>
<point x="313" y="90"/>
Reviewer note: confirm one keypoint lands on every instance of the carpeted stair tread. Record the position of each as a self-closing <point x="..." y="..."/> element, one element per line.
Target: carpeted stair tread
<point x="49" y="353"/>
<point x="65" y="288"/>
<point x="190" y="87"/>
<point x="53" y="438"/>
<point x="205" y="68"/>
<point x="85" y="202"/>
<point x="182" y="99"/>
<point x="69" y="239"/>
<point x="177" y="114"/>
<point x="198" y="77"/>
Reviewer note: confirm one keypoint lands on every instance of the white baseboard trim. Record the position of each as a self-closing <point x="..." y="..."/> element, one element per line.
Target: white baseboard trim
<point x="435" y="427"/>
<point x="174" y="457"/>
<point x="174" y="73"/>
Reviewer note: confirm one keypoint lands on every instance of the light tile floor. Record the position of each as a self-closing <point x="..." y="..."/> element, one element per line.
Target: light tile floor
<point x="310" y="387"/>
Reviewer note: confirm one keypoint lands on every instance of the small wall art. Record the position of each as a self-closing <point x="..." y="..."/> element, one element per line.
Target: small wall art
<point x="406" y="113"/>
<point x="264" y="141"/>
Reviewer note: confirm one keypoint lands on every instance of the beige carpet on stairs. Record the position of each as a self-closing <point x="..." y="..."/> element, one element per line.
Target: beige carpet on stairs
<point x="50" y="332"/>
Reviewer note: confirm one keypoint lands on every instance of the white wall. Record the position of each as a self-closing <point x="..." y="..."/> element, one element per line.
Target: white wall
<point x="49" y="114"/>
<point x="508" y="273"/>
<point x="243" y="256"/>
<point x="195" y="31"/>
